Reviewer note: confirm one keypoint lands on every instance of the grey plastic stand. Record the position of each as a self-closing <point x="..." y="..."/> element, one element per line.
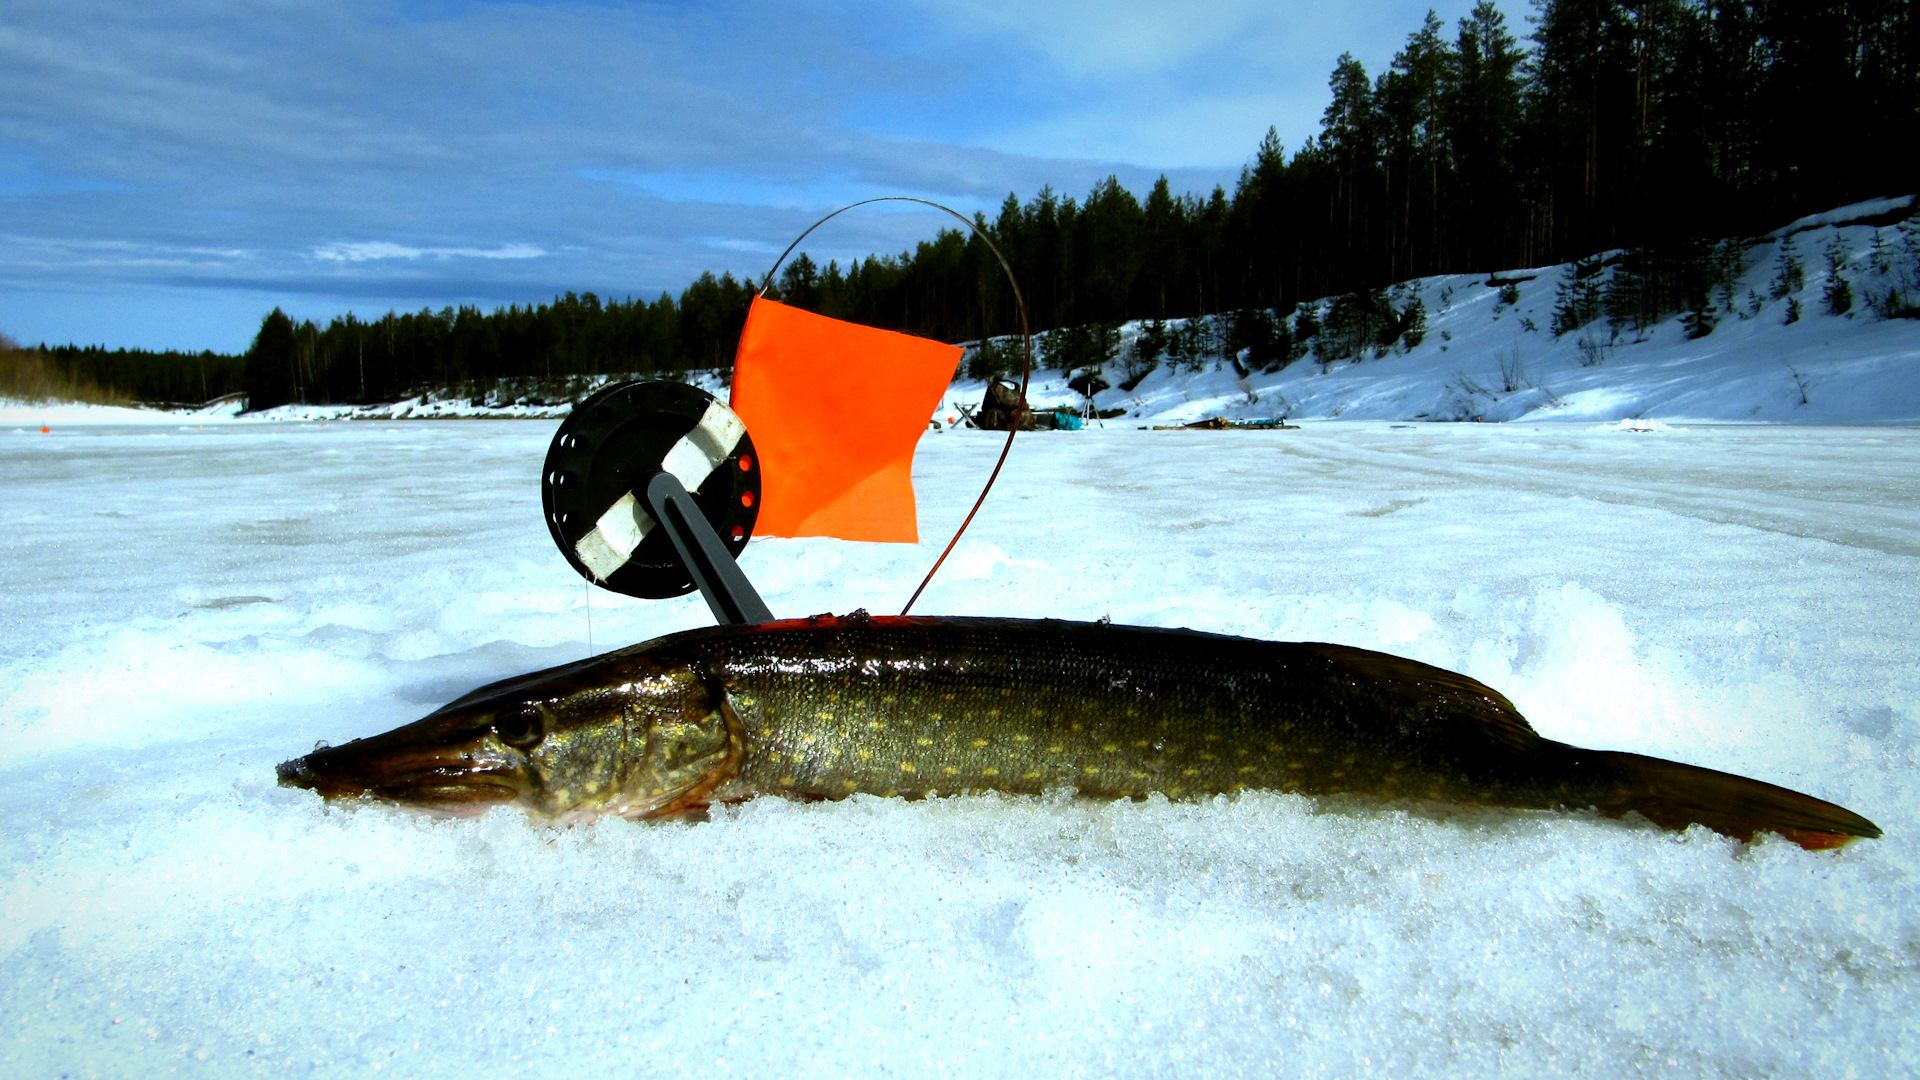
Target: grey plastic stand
<point x="728" y="592"/>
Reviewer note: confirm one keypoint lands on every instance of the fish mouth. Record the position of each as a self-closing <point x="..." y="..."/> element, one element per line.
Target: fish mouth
<point x="451" y="780"/>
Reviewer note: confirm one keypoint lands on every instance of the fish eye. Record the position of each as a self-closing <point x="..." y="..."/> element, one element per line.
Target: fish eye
<point x="521" y="730"/>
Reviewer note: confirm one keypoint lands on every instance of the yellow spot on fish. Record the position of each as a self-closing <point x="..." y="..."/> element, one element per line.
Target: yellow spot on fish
<point x="1031" y="776"/>
<point x="923" y="741"/>
<point x="1175" y="790"/>
<point x="659" y="791"/>
<point x="886" y="699"/>
<point x="934" y="716"/>
<point x="824" y="715"/>
<point x="850" y="785"/>
<point x="1139" y="776"/>
<point x="1077" y="727"/>
<point x="1133" y="712"/>
<point x="1054" y="749"/>
<point x="1141" y="743"/>
<point x="866" y="755"/>
<point x="773" y="756"/>
<point x="951" y="771"/>
<point x="786" y="781"/>
<point x="593" y="787"/>
<point x="563" y="795"/>
<point x="1189" y="772"/>
<point x="1211" y="737"/>
<point x="1206" y="757"/>
<point x="1238" y="787"/>
<point x="993" y="714"/>
<point x="1242" y="751"/>
<point x="989" y="772"/>
<point x="891" y="792"/>
<point x="979" y="742"/>
<point x="906" y="766"/>
<point x="946" y="697"/>
<point x="1092" y="770"/>
<point x="1249" y="768"/>
<point x="875" y="725"/>
<point x="1038" y="713"/>
<point x="833" y="696"/>
<point x="1295" y="765"/>
<point x="1110" y="747"/>
<point x="1021" y="738"/>
<point x="1338" y="773"/>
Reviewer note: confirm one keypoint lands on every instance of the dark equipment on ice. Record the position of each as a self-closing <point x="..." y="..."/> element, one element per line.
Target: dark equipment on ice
<point x="1003" y="409"/>
<point x="618" y="508"/>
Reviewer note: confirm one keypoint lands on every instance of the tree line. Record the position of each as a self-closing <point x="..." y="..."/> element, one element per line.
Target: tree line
<point x="1656" y="126"/>
<point x="1649" y="127"/>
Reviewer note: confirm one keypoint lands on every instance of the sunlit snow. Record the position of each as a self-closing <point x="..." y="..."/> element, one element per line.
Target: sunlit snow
<point x="188" y="605"/>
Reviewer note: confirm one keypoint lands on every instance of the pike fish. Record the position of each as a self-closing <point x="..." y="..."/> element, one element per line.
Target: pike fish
<point x="826" y="707"/>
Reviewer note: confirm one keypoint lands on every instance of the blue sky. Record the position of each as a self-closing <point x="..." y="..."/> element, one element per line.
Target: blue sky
<point x="172" y="169"/>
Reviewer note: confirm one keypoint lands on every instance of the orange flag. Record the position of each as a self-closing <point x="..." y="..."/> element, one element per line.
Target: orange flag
<point x="835" y="411"/>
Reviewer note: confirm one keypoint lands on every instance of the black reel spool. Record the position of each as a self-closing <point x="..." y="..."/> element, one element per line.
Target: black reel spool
<point x="606" y="452"/>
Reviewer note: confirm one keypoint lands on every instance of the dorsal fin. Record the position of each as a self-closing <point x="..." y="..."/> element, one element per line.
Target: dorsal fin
<point x="1435" y="693"/>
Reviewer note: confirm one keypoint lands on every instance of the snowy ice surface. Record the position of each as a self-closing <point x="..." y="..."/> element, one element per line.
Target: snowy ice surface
<point x="186" y="607"/>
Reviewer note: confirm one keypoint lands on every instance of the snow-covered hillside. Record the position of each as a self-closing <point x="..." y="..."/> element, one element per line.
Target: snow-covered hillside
<point x="1493" y="358"/>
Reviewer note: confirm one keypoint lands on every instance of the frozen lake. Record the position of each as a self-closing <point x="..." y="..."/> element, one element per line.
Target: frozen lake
<point x="186" y="607"/>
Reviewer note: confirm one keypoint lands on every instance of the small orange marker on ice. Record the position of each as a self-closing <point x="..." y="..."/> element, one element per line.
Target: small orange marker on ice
<point x="44" y="429"/>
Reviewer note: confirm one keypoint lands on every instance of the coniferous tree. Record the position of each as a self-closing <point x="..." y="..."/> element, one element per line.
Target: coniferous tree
<point x="270" y="363"/>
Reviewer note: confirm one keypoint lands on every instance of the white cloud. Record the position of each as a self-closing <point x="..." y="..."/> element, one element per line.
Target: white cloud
<point x="368" y="251"/>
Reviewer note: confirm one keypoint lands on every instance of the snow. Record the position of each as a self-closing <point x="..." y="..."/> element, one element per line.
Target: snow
<point x="14" y="412"/>
<point x="188" y="606"/>
<point x="1871" y="208"/>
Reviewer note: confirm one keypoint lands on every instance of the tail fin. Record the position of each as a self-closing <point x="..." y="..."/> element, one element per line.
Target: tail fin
<point x="1675" y="796"/>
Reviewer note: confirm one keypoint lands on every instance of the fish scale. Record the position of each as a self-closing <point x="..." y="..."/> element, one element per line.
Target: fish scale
<point x="1011" y="706"/>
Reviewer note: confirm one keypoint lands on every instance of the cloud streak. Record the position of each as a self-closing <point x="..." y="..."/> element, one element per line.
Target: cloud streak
<point x="370" y="250"/>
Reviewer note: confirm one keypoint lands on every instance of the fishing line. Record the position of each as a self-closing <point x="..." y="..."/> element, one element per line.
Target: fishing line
<point x="1026" y="343"/>
<point x="588" y="585"/>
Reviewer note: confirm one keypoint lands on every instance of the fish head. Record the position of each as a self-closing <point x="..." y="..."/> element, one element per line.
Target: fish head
<point x="640" y="738"/>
